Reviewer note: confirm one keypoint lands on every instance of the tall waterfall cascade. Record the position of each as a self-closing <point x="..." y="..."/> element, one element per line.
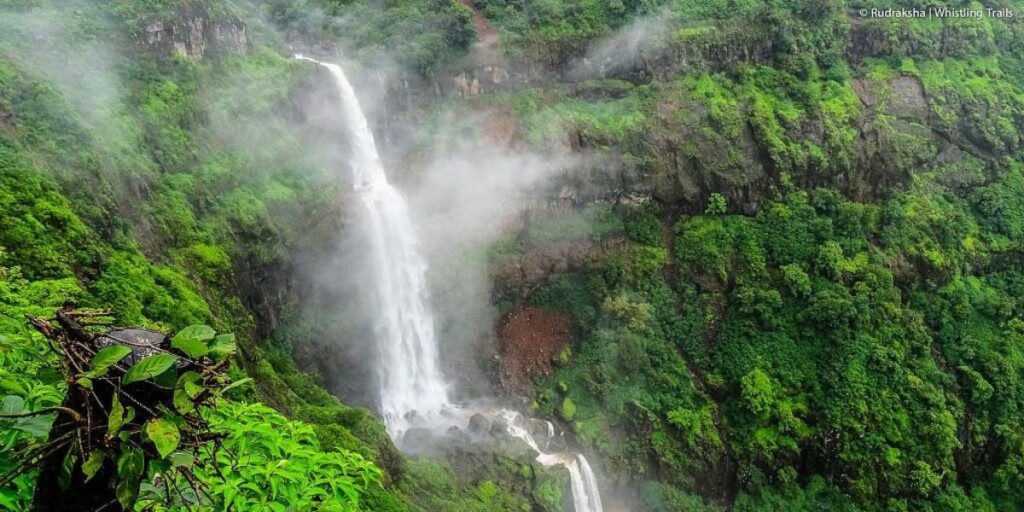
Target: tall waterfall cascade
<point x="413" y="391"/>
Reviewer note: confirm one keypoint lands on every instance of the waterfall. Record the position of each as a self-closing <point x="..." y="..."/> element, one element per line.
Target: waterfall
<point x="586" y="497"/>
<point x="413" y="390"/>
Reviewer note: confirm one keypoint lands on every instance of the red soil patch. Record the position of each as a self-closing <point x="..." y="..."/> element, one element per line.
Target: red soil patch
<point x="531" y="339"/>
<point x="486" y="31"/>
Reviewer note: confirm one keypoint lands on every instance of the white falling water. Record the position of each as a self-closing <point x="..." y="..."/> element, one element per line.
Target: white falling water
<point x="586" y="497"/>
<point x="413" y="390"/>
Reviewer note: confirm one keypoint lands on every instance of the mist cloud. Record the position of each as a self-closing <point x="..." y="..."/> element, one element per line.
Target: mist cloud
<point x="627" y="47"/>
<point x="66" y="47"/>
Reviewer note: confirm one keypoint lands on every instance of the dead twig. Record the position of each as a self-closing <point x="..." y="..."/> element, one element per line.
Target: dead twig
<point x="46" y="410"/>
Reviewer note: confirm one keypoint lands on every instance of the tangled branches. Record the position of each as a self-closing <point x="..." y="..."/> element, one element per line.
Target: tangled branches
<point x="131" y="410"/>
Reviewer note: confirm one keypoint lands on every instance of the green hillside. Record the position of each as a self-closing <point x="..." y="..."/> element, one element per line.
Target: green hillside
<point x="789" y="244"/>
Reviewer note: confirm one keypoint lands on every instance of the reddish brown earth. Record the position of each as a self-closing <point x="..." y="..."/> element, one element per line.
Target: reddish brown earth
<point x="486" y="31"/>
<point x="531" y="339"/>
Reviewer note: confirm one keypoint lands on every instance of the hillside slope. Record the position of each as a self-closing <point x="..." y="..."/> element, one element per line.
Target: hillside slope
<point x="780" y="270"/>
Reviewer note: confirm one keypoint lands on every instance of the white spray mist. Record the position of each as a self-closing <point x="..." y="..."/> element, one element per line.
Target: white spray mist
<point x="413" y="389"/>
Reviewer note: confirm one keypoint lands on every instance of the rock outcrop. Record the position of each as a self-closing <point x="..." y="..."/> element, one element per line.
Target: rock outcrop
<point x="195" y="31"/>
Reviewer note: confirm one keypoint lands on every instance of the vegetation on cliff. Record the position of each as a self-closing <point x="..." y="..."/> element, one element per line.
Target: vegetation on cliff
<point x="803" y="281"/>
<point x="822" y="307"/>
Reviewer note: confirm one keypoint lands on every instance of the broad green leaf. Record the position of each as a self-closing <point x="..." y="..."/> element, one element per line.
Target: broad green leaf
<point x="157" y="467"/>
<point x="200" y="332"/>
<point x="116" y="417"/>
<point x="235" y="384"/>
<point x="148" y="368"/>
<point x="92" y="464"/>
<point x="106" y="358"/>
<point x="182" y="396"/>
<point x="131" y="464"/>
<point x="164" y="435"/>
<point x="167" y="378"/>
<point x="11" y="404"/>
<point x="193" y="388"/>
<point x="174" y="418"/>
<point x="223" y="345"/>
<point x="67" y="467"/>
<point x="182" y="459"/>
<point x="148" y="491"/>
<point x="190" y="346"/>
<point x="127" y="491"/>
<point x="119" y="417"/>
<point x="194" y="340"/>
<point x="35" y="426"/>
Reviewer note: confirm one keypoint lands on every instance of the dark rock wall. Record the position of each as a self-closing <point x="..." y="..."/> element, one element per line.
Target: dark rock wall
<point x="195" y="31"/>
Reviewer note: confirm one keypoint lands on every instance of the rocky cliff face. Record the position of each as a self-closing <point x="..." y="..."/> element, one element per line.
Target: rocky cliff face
<point x="195" y="31"/>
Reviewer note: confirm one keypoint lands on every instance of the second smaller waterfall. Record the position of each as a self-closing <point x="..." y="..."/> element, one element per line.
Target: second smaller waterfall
<point x="586" y="497"/>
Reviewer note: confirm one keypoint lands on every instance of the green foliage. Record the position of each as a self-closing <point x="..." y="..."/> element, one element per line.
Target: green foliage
<point x="148" y="368"/>
<point x="38" y="229"/>
<point x="592" y="221"/>
<point x="663" y="498"/>
<point x="553" y="31"/>
<point x="269" y="462"/>
<point x="164" y="435"/>
<point x="139" y="11"/>
<point x="140" y="291"/>
<point x="137" y="434"/>
<point x="28" y="380"/>
<point x="436" y="488"/>
<point x="568" y="409"/>
<point x="104" y="359"/>
<point x="807" y="306"/>
<point x="999" y="209"/>
<point x="827" y="353"/>
<point x="958" y="89"/>
<point x="419" y="34"/>
<point x="601" y="123"/>
<point x="717" y="204"/>
<point x="194" y="340"/>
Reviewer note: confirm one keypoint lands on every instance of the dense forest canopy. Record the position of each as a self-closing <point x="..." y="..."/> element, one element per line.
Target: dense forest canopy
<point x="743" y="255"/>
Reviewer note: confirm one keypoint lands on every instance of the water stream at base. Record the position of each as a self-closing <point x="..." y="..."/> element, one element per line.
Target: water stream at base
<point x="414" y="393"/>
<point x="586" y="497"/>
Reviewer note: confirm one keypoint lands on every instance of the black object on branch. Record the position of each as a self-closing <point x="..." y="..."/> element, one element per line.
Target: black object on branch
<point x="83" y="430"/>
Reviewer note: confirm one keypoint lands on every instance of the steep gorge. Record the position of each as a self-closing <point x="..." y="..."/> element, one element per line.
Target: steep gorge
<point x="779" y="268"/>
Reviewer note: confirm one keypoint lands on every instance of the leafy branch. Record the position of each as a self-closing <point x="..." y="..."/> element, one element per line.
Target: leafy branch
<point x="133" y="400"/>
